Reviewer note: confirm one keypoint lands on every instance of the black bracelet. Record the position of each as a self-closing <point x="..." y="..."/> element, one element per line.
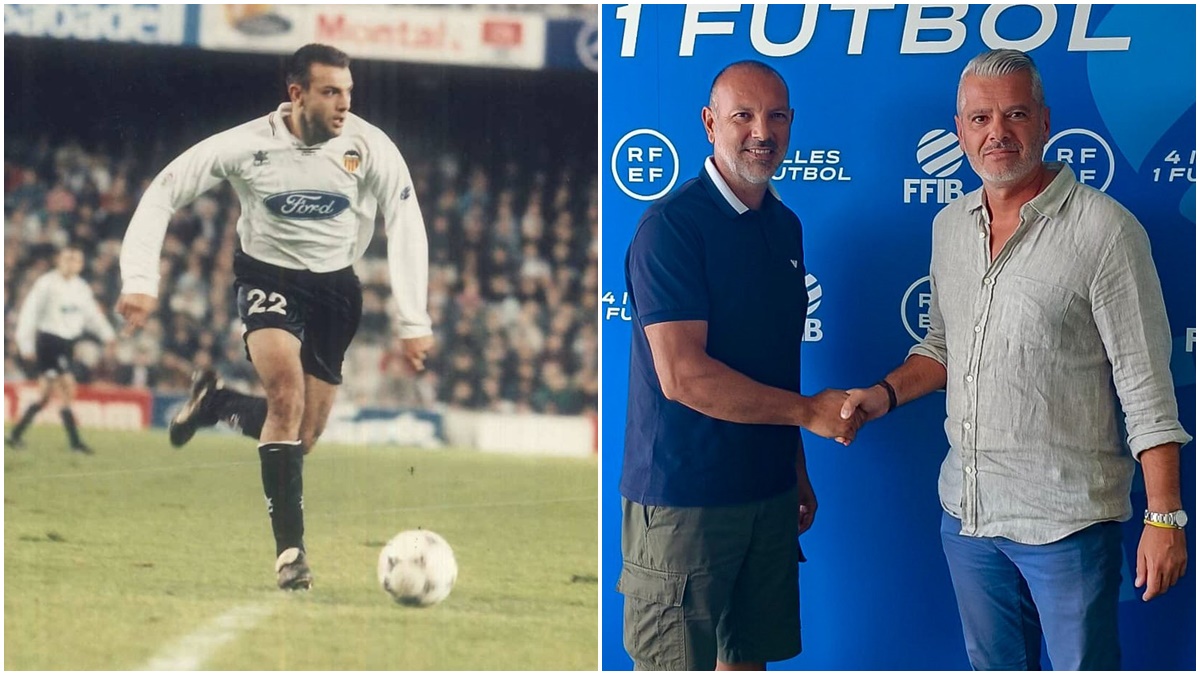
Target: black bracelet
<point x="890" y="392"/>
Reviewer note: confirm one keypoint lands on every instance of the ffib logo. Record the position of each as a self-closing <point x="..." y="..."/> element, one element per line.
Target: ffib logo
<point x="939" y="156"/>
<point x="814" y="292"/>
<point x="914" y="308"/>
<point x="645" y="164"/>
<point x="812" y="327"/>
<point x="1090" y="156"/>
<point x="307" y="204"/>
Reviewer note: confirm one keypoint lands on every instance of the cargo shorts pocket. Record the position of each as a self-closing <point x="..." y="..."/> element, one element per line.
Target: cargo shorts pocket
<point x="655" y="635"/>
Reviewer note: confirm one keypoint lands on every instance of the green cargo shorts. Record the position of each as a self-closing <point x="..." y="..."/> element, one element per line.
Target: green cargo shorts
<point x="709" y="583"/>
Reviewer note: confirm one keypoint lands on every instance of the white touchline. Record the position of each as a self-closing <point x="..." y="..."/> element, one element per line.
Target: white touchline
<point x="191" y="651"/>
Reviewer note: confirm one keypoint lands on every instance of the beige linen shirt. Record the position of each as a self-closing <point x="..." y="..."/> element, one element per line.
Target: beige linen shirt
<point x="1042" y="346"/>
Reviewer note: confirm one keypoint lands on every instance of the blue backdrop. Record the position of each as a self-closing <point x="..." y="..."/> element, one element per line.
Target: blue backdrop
<point x="872" y="159"/>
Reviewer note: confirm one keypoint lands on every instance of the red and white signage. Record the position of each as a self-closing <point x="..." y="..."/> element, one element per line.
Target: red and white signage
<point x="395" y="33"/>
<point x="97" y="407"/>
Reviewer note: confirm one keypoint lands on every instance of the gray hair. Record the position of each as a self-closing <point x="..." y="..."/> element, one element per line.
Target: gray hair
<point x="1001" y="62"/>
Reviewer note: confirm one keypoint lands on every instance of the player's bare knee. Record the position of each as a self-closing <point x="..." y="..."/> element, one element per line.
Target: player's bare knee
<point x="285" y="406"/>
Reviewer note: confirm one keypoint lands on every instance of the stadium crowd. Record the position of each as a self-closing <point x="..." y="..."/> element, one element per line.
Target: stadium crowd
<point x="512" y="291"/>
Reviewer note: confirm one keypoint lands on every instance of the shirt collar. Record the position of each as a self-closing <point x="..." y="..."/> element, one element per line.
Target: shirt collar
<point x="710" y="167"/>
<point x="285" y="110"/>
<point x="1051" y="199"/>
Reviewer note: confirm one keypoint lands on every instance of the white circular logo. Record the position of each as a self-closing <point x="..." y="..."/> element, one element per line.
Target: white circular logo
<point x="587" y="45"/>
<point x="939" y="154"/>
<point x="645" y="170"/>
<point x="1090" y="156"/>
<point x="814" y="293"/>
<point x="914" y="308"/>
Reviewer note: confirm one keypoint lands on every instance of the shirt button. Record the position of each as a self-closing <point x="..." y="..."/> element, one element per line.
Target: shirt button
<point x="978" y="328"/>
<point x="970" y="378"/>
<point x="982" y="235"/>
<point x="966" y="425"/>
<point x="970" y="470"/>
<point x="987" y="281"/>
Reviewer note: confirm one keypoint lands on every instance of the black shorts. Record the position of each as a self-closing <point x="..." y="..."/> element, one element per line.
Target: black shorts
<point x="55" y="355"/>
<point x="322" y="309"/>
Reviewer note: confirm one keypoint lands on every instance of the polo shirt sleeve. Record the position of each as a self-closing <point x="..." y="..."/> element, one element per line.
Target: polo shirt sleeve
<point x="666" y="271"/>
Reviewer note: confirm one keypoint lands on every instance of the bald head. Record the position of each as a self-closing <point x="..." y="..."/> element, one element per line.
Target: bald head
<point x="748" y="120"/>
<point x="742" y="68"/>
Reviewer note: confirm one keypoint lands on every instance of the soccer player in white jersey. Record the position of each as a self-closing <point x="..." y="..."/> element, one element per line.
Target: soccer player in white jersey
<point x="310" y="177"/>
<point x="59" y="309"/>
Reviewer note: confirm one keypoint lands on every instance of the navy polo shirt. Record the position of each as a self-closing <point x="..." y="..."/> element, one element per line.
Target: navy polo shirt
<point x="695" y="257"/>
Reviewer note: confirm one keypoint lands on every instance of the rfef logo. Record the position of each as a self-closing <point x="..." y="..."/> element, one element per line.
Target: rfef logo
<point x="1088" y="154"/>
<point x="939" y="156"/>
<point x="914" y="308"/>
<point x="307" y="204"/>
<point x="645" y="164"/>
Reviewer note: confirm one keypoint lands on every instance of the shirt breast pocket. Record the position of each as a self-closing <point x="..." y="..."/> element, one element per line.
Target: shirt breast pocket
<point x="1031" y="312"/>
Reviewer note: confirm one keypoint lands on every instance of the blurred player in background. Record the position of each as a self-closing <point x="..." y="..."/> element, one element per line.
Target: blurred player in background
<point x="310" y="177"/>
<point x="58" y="310"/>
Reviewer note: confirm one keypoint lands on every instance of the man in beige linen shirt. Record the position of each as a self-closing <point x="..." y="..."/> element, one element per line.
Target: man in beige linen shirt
<point x="1045" y="303"/>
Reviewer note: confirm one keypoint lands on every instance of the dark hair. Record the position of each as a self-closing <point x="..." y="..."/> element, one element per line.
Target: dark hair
<point x="299" y="66"/>
<point x="748" y="63"/>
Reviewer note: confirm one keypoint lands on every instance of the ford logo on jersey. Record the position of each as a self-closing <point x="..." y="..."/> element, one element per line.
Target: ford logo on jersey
<point x="307" y="204"/>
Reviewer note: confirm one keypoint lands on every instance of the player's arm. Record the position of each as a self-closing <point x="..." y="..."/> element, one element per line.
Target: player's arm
<point x="27" y="318"/>
<point x="665" y="274"/>
<point x="97" y="323"/>
<point x="407" y="248"/>
<point x="688" y="375"/>
<point x="188" y="176"/>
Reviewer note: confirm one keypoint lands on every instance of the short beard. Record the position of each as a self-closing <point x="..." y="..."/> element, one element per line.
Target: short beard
<point x="742" y="170"/>
<point x="1027" y="165"/>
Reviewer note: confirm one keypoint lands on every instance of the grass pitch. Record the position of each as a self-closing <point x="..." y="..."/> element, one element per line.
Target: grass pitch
<point x="147" y="557"/>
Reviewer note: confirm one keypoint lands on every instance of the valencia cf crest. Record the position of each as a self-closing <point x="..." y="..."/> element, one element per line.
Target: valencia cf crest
<point x="351" y="160"/>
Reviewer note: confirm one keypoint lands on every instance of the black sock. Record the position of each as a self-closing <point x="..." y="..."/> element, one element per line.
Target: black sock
<point x="26" y="419"/>
<point x="240" y="411"/>
<point x="68" y="419"/>
<point x="283" y="485"/>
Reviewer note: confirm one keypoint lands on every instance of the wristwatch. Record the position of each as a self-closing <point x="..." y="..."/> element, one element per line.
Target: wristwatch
<point x="1175" y="519"/>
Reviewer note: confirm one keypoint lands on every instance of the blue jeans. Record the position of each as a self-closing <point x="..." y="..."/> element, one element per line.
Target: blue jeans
<point x="1009" y="594"/>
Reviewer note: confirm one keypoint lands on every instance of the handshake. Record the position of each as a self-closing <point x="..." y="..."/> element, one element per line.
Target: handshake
<point x="839" y="414"/>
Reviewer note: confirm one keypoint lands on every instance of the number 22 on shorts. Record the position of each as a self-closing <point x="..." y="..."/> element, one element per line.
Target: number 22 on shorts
<point x="257" y="298"/>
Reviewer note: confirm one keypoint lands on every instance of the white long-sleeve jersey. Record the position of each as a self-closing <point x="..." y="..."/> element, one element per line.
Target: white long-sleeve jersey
<point x="60" y="306"/>
<point x="303" y="207"/>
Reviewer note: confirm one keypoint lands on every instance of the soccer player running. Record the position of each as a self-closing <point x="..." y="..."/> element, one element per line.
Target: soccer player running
<point x="310" y="177"/>
<point x="60" y="307"/>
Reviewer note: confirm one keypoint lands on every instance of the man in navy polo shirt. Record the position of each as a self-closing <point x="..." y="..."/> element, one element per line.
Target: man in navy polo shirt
<point x="714" y="481"/>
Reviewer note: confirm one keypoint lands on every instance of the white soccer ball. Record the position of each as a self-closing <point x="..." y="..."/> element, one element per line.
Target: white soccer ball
<point x="417" y="568"/>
